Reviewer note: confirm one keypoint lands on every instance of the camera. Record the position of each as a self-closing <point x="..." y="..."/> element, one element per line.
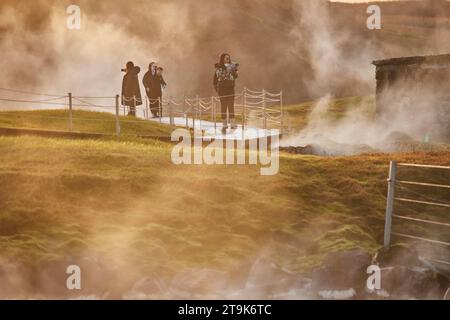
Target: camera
<point x="123" y="70"/>
<point x="233" y="66"/>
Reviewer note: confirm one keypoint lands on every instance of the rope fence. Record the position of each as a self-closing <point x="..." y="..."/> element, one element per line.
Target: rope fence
<point x="261" y="107"/>
<point x="423" y="200"/>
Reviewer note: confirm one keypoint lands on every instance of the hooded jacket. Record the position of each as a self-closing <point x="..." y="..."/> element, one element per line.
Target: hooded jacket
<point x="130" y="87"/>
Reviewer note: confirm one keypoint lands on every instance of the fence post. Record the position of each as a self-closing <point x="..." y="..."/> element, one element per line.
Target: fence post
<point x="170" y="111"/>
<point x="160" y="109"/>
<point x="186" y="112"/>
<point x="244" y="110"/>
<point x="282" y="113"/>
<point x="133" y="112"/>
<point x="123" y="105"/>
<point x="264" y="110"/>
<point x="146" y="108"/>
<point x="214" y="106"/>
<point x="200" y="111"/>
<point x="117" y="116"/>
<point x="390" y="203"/>
<point x="70" y="112"/>
<point x="195" y="114"/>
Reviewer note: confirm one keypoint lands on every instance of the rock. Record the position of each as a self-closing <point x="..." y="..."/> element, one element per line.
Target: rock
<point x="264" y="272"/>
<point x="268" y="280"/>
<point x="398" y="255"/>
<point x="199" y="283"/>
<point x="410" y="283"/>
<point x="343" y="274"/>
<point x="147" y="288"/>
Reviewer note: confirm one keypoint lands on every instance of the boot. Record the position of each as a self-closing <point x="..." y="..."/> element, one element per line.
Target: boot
<point x="233" y="124"/>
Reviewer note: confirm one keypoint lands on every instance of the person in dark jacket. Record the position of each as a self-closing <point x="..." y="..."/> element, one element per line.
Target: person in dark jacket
<point x="131" y="92"/>
<point x="224" y="82"/>
<point x="148" y="77"/>
<point x="154" y="83"/>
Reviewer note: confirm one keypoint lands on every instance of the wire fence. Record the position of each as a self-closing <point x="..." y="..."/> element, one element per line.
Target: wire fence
<point x="259" y="109"/>
<point x="424" y="201"/>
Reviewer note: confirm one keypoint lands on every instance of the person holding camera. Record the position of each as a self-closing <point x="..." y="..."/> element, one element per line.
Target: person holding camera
<point x="131" y="92"/>
<point x="224" y="82"/>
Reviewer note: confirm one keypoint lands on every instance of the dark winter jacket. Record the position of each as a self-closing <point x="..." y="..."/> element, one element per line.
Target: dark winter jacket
<point x="153" y="85"/>
<point x="224" y="79"/>
<point x="130" y="88"/>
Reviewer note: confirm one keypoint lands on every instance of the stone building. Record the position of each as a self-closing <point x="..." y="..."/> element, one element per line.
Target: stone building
<point x="414" y="93"/>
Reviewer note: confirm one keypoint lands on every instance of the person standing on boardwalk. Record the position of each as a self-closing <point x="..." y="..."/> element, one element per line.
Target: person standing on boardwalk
<point x="154" y="84"/>
<point x="225" y="76"/>
<point x="131" y="93"/>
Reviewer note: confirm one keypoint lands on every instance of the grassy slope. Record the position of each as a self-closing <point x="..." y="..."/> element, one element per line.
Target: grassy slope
<point x="83" y="121"/>
<point x="126" y="206"/>
<point x="297" y="116"/>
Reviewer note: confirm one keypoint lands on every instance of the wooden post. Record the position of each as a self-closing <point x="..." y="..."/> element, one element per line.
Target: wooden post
<point x="70" y="112"/>
<point x="185" y="112"/>
<point x="214" y="113"/>
<point x="195" y="114"/>
<point x="200" y="111"/>
<point x="146" y="108"/>
<point x="170" y="111"/>
<point x="244" y="110"/>
<point x="264" y="110"/>
<point x="282" y="113"/>
<point x="212" y="109"/>
<point x="390" y="203"/>
<point x="117" y="116"/>
<point x="160" y="109"/>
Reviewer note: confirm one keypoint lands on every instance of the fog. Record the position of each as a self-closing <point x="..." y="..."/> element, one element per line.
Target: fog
<point x="306" y="48"/>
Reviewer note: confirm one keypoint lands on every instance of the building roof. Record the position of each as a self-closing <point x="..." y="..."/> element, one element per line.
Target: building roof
<point x="442" y="58"/>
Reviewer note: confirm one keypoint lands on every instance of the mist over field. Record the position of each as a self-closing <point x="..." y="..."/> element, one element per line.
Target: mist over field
<point x="306" y="48"/>
<point x="141" y="227"/>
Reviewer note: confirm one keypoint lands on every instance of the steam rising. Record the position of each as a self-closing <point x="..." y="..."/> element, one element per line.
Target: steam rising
<point x="305" y="48"/>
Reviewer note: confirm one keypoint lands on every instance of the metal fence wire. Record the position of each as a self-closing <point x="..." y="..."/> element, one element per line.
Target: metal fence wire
<point x="262" y="107"/>
<point x="395" y="185"/>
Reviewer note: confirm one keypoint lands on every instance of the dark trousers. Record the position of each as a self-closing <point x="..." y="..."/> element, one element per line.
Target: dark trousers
<point x="227" y="104"/>
<point x="155" y="106"/>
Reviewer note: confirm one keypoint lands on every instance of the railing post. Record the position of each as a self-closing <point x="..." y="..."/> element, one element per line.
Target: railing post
<point x="195" y="115"/>
<point x="171" y="111"/>
<point x="186" y="112"/>
<point x="160" y="109"/>
<point x="200" y="111"/>
<point x="70" y="112"/>
<point x="282" y="113"/>
<point x="117" y="116"/>
<point x="244" y="111"/>
<point x="146" y="108"/>
<point x="214" y="113"/>
<point x="264" y="110"/>
<point x="390" y="203"/>
<point x="212" y="109"/>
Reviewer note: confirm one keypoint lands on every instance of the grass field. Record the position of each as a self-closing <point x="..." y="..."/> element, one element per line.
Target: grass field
<point x="123" y="211"/>
<point x="83" y="121"/>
